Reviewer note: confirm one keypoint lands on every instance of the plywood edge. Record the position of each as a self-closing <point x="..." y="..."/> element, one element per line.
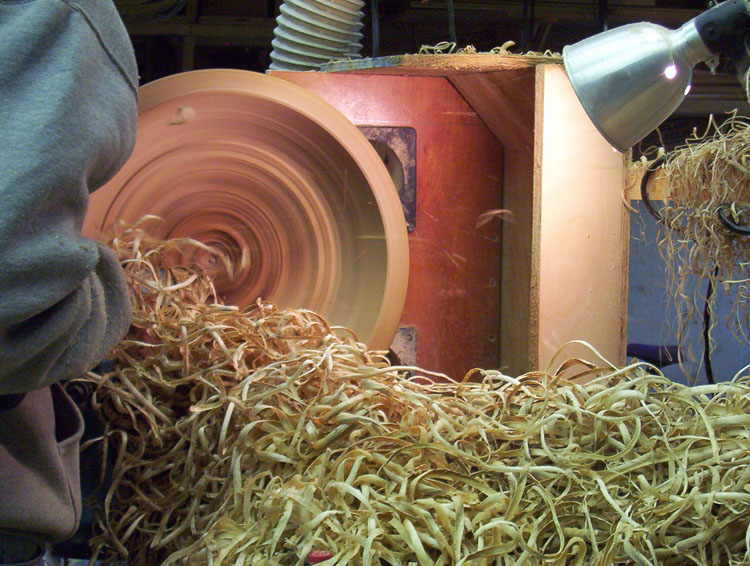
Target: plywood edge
<point x="536" y="234"/>
<point x="624" y="278"/>
<point x="440" y="64"/>
<point x="519" y="307"/>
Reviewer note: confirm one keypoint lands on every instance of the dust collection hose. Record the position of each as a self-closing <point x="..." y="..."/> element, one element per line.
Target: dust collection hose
<point x="310" y="33"/>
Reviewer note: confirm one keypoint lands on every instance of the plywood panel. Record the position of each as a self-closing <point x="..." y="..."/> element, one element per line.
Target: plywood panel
<point x="453" y="297"/>
<point x="505" y="102"/>
<point x="563" y="273"/>
<point x="583" y="219"/>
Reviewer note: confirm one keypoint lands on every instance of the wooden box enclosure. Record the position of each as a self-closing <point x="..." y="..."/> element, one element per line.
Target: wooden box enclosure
<point x="499" y="133"/>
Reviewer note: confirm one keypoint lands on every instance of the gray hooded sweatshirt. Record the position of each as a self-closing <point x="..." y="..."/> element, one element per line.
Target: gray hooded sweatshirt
<point x="68" y="110"/>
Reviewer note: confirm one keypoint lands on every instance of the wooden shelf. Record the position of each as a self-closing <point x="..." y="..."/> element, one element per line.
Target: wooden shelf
<point x="440" y="65"/>
<point x="193" y="29"/>
<point x="253" y="31"/>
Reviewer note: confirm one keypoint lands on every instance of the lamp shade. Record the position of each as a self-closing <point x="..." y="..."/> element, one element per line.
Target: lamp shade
<point x="631" y="78"/>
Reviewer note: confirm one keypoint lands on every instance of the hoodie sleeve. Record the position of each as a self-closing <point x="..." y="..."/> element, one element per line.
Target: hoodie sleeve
<point x="68" y="112"/>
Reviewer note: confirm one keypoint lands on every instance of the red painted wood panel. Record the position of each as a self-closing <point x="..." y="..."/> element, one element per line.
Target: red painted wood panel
<point x="453" y="298"/>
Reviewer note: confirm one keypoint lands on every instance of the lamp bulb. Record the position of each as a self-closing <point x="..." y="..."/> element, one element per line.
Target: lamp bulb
<point x="671" y="71"/>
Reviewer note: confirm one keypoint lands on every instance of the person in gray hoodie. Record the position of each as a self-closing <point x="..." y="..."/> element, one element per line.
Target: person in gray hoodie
<point x="68" y="112"/>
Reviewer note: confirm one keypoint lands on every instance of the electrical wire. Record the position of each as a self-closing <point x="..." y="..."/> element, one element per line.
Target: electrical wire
<point x="601" y="15"/>
<point x="724" y="212"/>
<point x="527" y="34"/>
<point x="644" y="188"/>
<point x="451" y="22"/>
<point x="375" y="19"/>
<point x="710" y="289"/>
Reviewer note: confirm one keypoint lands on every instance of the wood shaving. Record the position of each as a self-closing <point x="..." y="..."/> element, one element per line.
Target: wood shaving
<point x="712" y="168"/>
<point x="451" y="48"/>
<point x="255" y="437"/>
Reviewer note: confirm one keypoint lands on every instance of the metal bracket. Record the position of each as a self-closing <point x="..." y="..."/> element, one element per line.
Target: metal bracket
<point x="397" y="147"/>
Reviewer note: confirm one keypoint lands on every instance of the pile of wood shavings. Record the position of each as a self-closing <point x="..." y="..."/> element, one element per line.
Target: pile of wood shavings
<point x="710" y="170"/>
<point x="451" y="47"/>
<point x="251" y="438"/>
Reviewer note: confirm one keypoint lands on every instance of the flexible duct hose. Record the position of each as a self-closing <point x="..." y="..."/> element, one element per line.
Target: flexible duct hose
<point x="310" y="33"/>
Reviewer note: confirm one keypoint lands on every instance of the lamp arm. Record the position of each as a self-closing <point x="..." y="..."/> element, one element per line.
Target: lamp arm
<point x="724" y="28"/>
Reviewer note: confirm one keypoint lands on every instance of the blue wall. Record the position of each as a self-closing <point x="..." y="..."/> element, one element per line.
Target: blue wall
<point x="651" y="312"/>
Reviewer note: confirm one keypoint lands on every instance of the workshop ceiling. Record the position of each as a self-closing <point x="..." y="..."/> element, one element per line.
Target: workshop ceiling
<point x="202" y="34"/>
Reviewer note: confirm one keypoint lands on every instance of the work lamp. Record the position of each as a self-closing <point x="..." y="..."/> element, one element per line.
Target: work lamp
<point x="631" y="78"/>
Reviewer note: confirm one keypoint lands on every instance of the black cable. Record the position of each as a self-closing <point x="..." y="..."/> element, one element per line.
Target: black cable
<point x="710" y="288"/>
<point x="528" y="25"/>
<point x="644" y="188"/>
<point x="601" y="15"/>
<point x="724" y="212"/>
<point x="451" y="22"/>
<point x="375" y="17"/>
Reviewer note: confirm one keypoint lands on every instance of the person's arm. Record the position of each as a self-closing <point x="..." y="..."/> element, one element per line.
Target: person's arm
<point x="68" y="110"/>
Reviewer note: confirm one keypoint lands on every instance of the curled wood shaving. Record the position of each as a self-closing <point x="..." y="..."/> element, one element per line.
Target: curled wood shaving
<point x="712" y="168"/>
<point x="451" y="47"/>
<point x="254" y="437"/>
